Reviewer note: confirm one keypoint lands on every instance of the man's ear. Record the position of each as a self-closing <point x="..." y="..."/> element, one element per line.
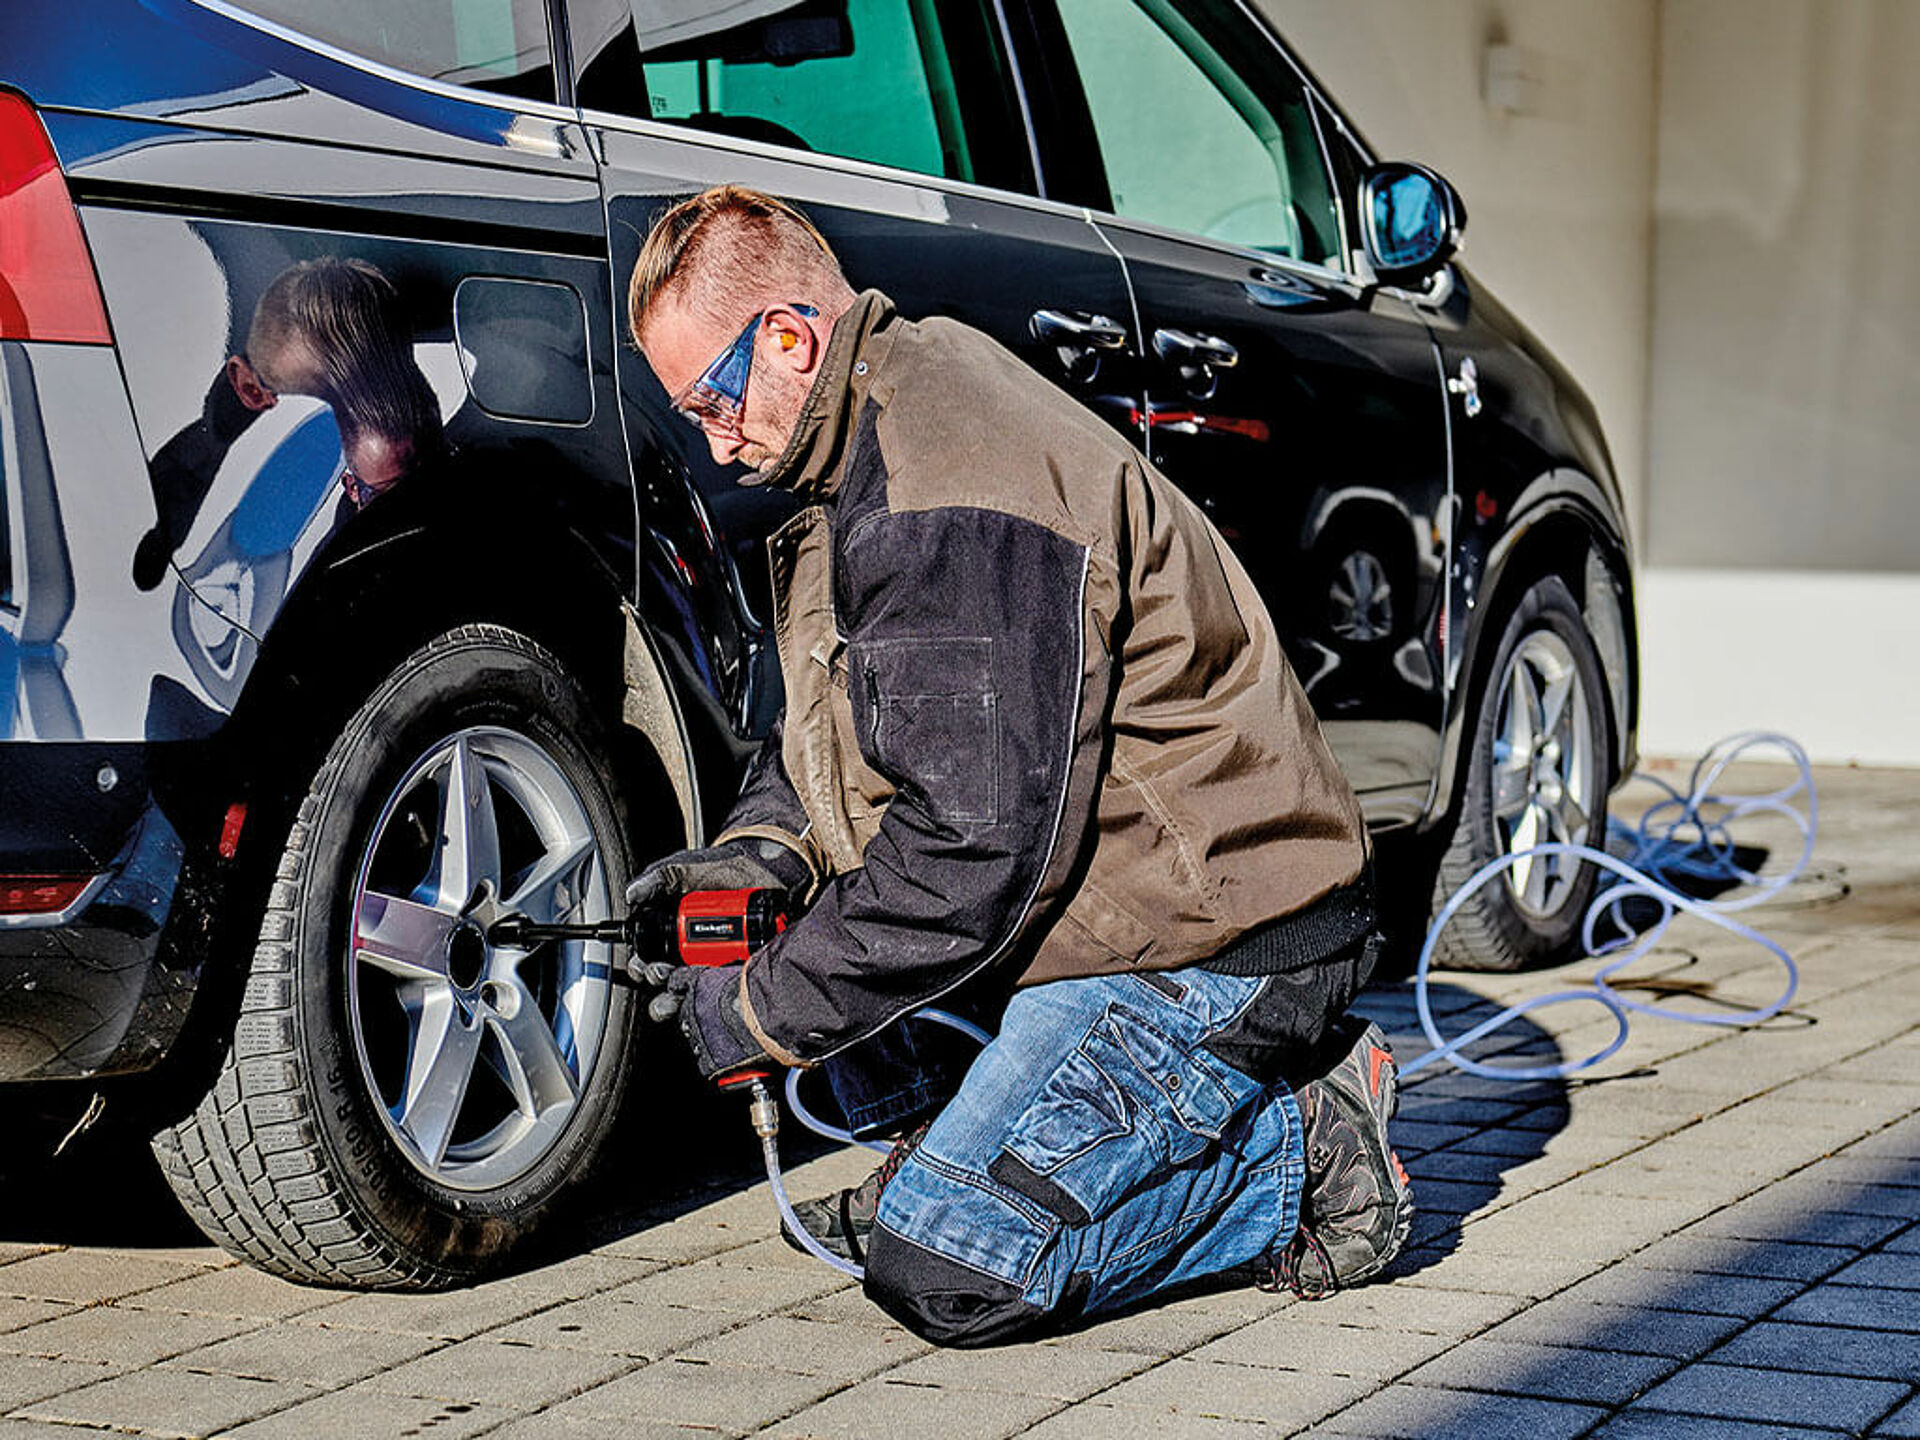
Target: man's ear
<point x="795" y="341"/>
<point x="252" y="391"/>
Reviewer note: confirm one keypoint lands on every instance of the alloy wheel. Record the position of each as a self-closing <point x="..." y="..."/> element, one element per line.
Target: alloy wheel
<point x="475" y="1052"/>
<point x="1542" y="769"/>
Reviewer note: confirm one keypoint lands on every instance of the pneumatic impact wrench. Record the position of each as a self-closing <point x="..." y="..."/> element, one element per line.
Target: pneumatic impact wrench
<point x="707" y="927"/>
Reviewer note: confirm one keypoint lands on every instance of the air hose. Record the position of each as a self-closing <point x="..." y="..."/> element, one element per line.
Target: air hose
<point x="1682" y="836"/>
<point x="766" y="1124"/>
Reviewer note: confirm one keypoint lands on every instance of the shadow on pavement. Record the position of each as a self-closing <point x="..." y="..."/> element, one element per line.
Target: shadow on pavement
<point x="1459" y="1134"/>
<point x="104" y="1188"/>
<point x="1792" y="1312"/>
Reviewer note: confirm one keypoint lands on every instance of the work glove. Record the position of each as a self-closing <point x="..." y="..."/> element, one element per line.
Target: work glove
<point x="710" y="1019"/>
<point x="748" y="863"/>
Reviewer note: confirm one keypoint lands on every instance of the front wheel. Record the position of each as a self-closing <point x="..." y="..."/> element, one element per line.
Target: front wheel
<point x="406" y="1101"/>
<point x="1537" y="772"/>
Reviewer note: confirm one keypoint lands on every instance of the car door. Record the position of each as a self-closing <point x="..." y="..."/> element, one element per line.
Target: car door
<point x="1301" y="409"/>
<point x="896" y="125"/>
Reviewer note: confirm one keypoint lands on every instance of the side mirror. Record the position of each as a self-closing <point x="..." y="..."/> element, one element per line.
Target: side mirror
<point x="1411" y="219"/>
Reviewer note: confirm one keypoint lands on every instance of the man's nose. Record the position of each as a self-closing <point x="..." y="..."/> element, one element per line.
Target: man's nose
<point x="725" y="445"/>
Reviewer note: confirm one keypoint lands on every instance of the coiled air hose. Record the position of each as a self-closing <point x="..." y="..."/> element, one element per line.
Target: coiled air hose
<point x="1683" y="836"/>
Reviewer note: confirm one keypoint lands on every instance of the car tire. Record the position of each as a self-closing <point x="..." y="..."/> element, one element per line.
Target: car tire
<point x="403" y="1103"/>
<point x="1537" y="770"/>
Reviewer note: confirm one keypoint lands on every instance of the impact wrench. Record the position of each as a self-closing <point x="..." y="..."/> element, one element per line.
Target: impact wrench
<point x="707" y="927"/>
<point x="716" y="927"/>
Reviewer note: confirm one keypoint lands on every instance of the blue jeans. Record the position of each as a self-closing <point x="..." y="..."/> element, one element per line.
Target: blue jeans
<point x="1096" y="1153"/>
<point x="886" y="1083"/>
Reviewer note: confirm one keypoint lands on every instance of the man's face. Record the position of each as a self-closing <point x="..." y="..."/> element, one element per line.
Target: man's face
<point x="754" y="381"/>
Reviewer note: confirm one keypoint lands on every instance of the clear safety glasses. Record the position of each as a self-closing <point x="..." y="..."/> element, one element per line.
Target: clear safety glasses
<point x="717" y="397"/>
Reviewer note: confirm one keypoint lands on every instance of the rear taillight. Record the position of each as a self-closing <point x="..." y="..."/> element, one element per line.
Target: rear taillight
<point x="40" y="894"/>
<point x="47" y="286"/>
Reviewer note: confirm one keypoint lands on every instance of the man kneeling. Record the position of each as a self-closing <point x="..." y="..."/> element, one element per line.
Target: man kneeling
<point x="1039" y="741"/>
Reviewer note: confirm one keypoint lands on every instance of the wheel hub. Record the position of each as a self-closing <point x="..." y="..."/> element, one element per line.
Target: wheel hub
<point x="1543" y="752"/>
<point x="467" y="955"/>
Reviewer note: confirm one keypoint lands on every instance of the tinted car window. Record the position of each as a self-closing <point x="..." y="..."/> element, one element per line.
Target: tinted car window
<point x="1197" y="141"/>
<point x="498" y="45"/>
<point x="916" y="84"/>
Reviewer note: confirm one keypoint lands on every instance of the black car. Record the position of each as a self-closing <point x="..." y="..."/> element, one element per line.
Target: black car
<point x="357" y="587"/>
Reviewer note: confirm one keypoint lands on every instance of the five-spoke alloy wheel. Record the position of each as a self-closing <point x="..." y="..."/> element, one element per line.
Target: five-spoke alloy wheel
<point x="476" y="1050"/>
<point x="1536" y="772"/>
<point x="405" y="1100"/>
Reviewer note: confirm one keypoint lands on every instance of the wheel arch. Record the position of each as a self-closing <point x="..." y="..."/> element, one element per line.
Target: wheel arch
<point x="1564" y="526"/>
<point x="395" y="585"/>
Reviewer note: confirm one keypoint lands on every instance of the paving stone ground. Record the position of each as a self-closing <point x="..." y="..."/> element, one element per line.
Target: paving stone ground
<point x="1713" y="1234"/>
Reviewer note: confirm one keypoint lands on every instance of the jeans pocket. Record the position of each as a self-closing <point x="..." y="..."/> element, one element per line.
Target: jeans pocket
<point x="1127" y="1104"/>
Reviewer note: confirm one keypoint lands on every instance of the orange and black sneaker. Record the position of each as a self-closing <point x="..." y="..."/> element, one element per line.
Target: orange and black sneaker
<point x="1357" y="1206"/>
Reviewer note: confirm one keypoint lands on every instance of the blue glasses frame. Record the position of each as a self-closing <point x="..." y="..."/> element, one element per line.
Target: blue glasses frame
<point x="716" y="398"/>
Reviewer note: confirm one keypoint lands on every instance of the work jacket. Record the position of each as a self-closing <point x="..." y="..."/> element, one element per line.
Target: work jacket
<point x="1036" y="713"/>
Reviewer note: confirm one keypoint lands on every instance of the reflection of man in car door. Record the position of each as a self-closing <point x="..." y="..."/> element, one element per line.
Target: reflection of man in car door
<point x="1038" y="738"/>
<point x="331" y="329"/>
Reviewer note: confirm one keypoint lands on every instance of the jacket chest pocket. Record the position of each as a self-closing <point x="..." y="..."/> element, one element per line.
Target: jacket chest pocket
<point x="928" y="717"/>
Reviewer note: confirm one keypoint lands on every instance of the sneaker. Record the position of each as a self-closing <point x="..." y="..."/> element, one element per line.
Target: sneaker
<point x="841" y="1223"/>
<point x="1357" y="1207"/>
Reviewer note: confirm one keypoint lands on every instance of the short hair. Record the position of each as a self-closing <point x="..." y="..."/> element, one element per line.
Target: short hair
<point x="729" y="252"/>
<point x="344" y="321"/>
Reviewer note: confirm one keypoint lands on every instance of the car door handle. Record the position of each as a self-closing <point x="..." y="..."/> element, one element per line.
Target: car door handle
<point x="1064" y="327"/>
<point x="1177" y="347"/>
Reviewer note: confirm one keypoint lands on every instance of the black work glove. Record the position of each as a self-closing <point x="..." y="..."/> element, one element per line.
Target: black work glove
<point x="743" y="864"/>
<point x="710" y="1019"/>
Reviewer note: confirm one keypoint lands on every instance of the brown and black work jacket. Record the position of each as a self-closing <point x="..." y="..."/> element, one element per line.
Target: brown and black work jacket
<point x="1036" y="713"/>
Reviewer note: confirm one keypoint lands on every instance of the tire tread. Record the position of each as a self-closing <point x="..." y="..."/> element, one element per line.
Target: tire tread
<point x="248" y="1163"/>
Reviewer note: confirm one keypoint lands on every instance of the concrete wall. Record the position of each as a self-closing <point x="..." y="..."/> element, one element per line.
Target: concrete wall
<point x="1559" y="192"/>
<point x="1783" y="581"/>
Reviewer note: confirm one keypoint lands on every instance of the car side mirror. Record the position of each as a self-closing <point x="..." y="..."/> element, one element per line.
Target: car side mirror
<point x="1411" y="219"/>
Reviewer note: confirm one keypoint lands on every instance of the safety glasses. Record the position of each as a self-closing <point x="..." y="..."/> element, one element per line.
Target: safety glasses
<point x="716" y="398"/>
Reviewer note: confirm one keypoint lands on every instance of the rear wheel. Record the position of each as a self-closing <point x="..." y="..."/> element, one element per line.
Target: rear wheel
<point x="1537" y="772"/>
<point x="404" y="1102"/>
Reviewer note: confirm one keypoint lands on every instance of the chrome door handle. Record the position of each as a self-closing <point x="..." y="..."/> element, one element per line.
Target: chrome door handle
<point x="1177" y="347"/>
<point x="1467" y="387"/>
<point x="1062" y="327"/>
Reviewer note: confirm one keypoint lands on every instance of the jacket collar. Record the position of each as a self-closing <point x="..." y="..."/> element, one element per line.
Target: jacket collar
<point x="810" y="465"/>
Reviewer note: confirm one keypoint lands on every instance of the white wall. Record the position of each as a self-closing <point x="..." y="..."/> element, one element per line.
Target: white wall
<point x="1559" y="194"/>
<point x="1786" y="319"/>
<point x="1706" y="208"/>
<point x="1830" y="658"/>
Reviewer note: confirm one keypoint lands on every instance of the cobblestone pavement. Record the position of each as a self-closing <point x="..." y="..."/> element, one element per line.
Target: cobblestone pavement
<point x="1712" y="1234"/>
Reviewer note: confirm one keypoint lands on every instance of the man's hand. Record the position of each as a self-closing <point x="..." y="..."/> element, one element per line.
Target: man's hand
<point x="749" y="864"/>
<point x="709" y="1004"/>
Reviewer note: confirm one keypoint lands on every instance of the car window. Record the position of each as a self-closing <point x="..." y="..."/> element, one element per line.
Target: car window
<point x="497" y="45"/>
<point x="917" y="84"/>
<point x="1197" y="141"/>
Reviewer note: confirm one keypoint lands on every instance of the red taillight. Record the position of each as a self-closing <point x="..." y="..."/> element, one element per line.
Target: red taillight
<point x="47" y="286"/>
<point x="40" y="894"/>
<point x="230" y="829"/>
